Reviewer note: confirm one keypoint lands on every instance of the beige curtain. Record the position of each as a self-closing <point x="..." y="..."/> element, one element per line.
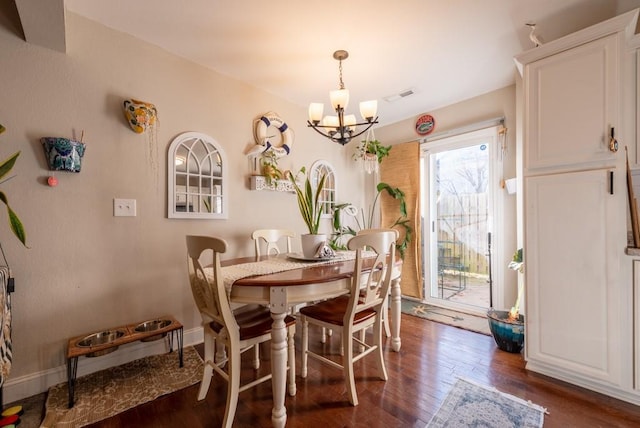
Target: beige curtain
<point x="401" y="169"/>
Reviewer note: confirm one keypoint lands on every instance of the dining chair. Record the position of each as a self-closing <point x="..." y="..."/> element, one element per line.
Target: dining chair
<point x="355" y="312"/>
<point x="237" y="331"/>
<point x="385" y="312"/>
<point x="271" y="238"/>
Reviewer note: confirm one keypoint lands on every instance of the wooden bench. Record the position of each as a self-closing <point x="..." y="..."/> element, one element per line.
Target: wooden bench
<point x="80" y="346"/>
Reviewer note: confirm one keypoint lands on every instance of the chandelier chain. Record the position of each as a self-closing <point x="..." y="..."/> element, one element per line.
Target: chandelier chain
<point x="340" y="71"/>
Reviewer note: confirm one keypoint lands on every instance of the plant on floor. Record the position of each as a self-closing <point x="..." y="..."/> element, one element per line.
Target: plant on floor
<point x="14" y="222"/>
<point x="366" y="222"/>
<point x="517" y="264"/>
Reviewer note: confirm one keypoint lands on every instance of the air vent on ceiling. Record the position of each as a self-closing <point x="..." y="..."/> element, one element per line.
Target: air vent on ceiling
<point x="403" y="94"/>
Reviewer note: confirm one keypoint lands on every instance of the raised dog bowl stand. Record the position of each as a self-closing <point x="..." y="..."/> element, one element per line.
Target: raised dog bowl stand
<point x="104" y="342"/>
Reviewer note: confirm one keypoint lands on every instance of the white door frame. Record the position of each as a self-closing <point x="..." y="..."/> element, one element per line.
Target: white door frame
<point x="490" y="136"/>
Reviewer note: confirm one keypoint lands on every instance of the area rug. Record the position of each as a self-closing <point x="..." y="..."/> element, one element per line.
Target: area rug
<point x="108" y="392"/>
<point x="478" y="324"/>
<point x="469" y="404"/>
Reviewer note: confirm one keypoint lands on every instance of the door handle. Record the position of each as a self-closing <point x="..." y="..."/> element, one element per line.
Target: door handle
<point x="611" y="182"/>
<point x="613" y="143"/>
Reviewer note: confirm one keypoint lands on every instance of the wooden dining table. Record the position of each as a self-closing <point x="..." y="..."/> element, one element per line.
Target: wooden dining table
<point x="311" y="282"/>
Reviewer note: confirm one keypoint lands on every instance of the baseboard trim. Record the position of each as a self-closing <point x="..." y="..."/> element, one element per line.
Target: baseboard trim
<point x="36" y="383"/>
<point x="629" y="396"/>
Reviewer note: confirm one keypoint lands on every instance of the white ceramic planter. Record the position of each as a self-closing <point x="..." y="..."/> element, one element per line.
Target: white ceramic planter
<point x="311" y="243"/>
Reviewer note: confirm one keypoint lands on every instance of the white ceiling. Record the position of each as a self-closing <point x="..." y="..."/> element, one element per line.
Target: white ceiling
<point x="446" y="51"/>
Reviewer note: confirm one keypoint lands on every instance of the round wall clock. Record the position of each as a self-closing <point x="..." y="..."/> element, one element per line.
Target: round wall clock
<point x="425" y="124"/>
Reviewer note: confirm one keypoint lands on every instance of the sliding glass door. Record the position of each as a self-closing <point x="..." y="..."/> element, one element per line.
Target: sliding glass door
<point x="457" y="179"/>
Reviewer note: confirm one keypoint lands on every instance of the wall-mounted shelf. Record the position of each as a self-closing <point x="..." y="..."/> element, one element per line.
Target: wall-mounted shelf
<point x="258" y="182"/>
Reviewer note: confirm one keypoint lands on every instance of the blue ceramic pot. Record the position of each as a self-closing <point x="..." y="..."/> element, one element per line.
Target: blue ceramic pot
<point x="508" y="334"/>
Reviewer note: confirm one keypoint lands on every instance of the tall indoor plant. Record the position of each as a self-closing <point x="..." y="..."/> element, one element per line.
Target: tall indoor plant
<point x="507" y="327"/>
<point x="14" y="222"/>
<point x="367" y="221"/>
<point x="373" y="147"/>
<point x="310" y="207"/>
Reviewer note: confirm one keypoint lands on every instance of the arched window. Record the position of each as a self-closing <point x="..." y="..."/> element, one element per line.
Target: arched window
<point x="329" y="194"/>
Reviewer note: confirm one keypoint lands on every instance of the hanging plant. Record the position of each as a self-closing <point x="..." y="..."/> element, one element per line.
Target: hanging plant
<point x="371" y="148"/>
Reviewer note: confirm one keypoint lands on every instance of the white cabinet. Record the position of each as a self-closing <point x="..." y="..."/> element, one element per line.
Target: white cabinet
<point x="572" y="106"/>
<point x="574" y="208"/>
<point x="572" y="231"/>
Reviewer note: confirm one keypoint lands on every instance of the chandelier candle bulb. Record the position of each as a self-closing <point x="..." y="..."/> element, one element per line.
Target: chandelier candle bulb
<point x="350" y="120"/>
<point x="339" y="98"/>
<point x="368" y="109"/>
<point x="331" y="122"/>
<point x="315" y="112"/>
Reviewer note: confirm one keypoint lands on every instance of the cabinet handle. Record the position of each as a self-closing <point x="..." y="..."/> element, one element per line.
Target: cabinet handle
<point x="611" y="182"/>
<point x="613" y="143"/>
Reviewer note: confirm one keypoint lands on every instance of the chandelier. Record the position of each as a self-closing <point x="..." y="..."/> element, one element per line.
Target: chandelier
<point x="341" y="128"/>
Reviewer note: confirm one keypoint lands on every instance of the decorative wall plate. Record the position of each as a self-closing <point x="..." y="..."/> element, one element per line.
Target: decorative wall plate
<point x="425" y="124"/>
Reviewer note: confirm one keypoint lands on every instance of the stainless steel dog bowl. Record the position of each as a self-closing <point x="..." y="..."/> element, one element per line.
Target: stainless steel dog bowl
<point x="101" y="338"/>
<point x="152" y="325"/>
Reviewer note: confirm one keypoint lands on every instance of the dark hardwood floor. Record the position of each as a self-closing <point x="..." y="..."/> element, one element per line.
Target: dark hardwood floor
<point x="432" y="357"/>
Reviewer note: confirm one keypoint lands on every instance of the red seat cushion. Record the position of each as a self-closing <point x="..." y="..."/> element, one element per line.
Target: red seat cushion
<point x="253" y="323"/>
<point x="332" y="311"/>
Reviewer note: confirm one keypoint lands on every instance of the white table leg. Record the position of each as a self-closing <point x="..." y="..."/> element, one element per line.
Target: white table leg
<point x="395" y="314"/>
<point x="278" y="356"/>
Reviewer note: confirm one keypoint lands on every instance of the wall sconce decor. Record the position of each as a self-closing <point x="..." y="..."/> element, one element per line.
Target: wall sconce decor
<point x="63" y="154"/>
<point x="140" y="115"/>
<point x="341" y="129"/>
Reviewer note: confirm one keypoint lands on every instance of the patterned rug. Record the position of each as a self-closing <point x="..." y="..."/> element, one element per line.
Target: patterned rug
<point x="469" y="404"/>
<point x="108" y="392"/>
<point x="476" y="323"/>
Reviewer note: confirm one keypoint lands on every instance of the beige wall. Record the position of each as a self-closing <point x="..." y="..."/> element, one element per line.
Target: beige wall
<point x="501" y="103"/>
<point x="86" y="270"/>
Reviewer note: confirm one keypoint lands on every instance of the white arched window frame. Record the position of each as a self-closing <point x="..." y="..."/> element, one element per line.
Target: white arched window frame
<point x="329" y="194"/>
<point x="197" y="178"/>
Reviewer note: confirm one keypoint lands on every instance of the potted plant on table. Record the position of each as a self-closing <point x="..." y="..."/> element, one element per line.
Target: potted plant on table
<point x="310" y="207"/>
<point x="507" y="327"/>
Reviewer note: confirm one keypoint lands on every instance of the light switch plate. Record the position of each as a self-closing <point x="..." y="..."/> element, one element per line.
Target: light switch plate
<point x="124" y="207"/>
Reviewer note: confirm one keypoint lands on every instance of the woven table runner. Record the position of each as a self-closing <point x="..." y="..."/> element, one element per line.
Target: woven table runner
<point x="233" y="273"/>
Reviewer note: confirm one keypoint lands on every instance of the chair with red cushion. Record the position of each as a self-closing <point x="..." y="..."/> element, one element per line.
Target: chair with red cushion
<point x="236" y="331"/>
<point x="357" y="311"/>
<point x="385" y="313"/>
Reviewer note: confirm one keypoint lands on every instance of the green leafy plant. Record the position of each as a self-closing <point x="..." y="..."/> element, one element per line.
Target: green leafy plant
<point x="517" y="264"/>
<point x="270" y="170"/>
<point x="371" y="147"/>
<point x="366" y="221"/>
<point x="14" y="222"/>
<point x="308" y="200"/>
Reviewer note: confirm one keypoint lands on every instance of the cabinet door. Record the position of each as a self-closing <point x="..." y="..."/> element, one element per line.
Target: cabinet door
<point x="572" y="106"/>
<point x="574" y="230"/>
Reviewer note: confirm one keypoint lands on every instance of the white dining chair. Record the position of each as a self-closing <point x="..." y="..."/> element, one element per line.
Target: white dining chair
<point x="237" y="331"/>
<point x="385" y="313"/>
<point x="271" y="237"/>
<point x="355" y="312"/>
